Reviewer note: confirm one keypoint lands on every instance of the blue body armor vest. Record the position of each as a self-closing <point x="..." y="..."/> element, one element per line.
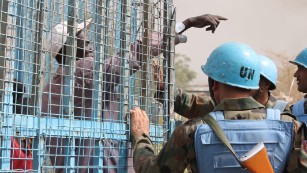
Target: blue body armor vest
<point x="299" y="111"/>
<point x="213" y="157"/>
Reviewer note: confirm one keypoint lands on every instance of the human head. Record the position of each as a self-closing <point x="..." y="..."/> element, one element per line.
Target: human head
<point x="301" y="72"/>
<point x="58" y="36"/>
<point x="235" y="65"/>
<point x="268" y="78"/>
<point x="268" y="71"/>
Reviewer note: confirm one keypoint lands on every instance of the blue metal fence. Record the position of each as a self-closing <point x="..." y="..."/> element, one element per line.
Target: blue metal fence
<point x="73" y="115"/>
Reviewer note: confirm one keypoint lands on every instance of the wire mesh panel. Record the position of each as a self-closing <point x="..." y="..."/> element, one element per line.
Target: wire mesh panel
<point x="70" y="71"/>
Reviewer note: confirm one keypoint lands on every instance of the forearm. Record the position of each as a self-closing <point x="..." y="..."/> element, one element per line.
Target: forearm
<point x="175" y="155"/>
<point x="192" y="106"/>
<point x="188" y="23"/>
<point x="144" y="159"/>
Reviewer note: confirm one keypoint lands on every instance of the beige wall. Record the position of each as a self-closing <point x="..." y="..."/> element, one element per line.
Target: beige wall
<point x="266" y="25"/>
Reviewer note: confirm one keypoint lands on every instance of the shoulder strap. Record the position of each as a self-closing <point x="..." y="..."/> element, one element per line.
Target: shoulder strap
<point x="281" y="105"/>
<point x="272" y="114"/>
<point x="217" y="115"/>
<point x="220" y="134"/>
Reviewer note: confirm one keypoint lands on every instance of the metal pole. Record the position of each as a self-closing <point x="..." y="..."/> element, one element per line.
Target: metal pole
<point x="3" y="27"/>
<point x="171" y="65"/>
<point x="10" y="40"/>
<point x="68" y="97"/>
<point x="145" y="55"/>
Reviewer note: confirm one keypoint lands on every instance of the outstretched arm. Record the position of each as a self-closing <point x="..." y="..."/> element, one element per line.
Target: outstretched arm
<point x="212" y="21"/>
<point x="200" y="22"/>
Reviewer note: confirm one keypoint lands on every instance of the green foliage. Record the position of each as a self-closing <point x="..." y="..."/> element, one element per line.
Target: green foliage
<point x="184" y="75"/>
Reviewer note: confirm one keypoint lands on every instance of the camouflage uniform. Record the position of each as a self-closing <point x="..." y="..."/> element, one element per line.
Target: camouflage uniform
<point x="192" y="106"/>
<point x="179" y="150"/>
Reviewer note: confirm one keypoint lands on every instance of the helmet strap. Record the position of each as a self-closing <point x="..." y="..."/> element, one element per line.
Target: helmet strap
<point x="210" y="83"/>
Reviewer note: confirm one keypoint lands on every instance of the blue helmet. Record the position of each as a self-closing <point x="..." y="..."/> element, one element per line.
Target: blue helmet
<point x="234" y="64"/>
<point x="301" y="59"/>
<point x="268" y="70"/>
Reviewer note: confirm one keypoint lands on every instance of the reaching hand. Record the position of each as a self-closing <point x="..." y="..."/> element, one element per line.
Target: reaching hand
<point x="204" y="20"/>
<point x="139" y="122"/>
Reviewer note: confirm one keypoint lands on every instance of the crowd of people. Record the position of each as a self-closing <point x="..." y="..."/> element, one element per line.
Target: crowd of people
<point x="240" y="82"/>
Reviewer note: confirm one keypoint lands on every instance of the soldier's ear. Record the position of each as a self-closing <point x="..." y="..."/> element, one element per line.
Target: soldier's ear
<point x="264" y="84"/>
<point x="215" y="86"/>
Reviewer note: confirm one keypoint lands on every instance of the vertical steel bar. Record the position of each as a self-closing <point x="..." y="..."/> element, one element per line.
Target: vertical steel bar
<point x="68" y="97"/>
<point x="171" y="61"/>
<point x="134" y="13"/>
<point x="97" y="106"/>
<point x="145" y="55"/>
<point x="38" y="84"/>
<point x="8" y="86"/>
<point x="3" y="29"/>
<point x="125" y="73"/>
<point x="98" y="41"/>
<point x="98" y="161"/>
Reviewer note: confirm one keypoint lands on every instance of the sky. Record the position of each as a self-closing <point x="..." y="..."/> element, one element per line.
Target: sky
<point x="278" y="26"/>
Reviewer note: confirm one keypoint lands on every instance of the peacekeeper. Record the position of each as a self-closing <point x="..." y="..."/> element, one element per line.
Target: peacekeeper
<point x="268" y="79"/>
<point x="299" y="109"/>
<point x="191" y="105"/>
<point x="231" y="87"/>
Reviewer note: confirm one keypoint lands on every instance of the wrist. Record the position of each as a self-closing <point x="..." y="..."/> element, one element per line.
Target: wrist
<point x="134" y="139"/>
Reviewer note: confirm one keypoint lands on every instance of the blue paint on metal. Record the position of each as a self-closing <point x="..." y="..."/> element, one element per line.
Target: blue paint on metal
<point x="96" y="31"/>
<point x="118" y="25"/>
<point x="40" y="127"/>
<point x="69" y="153"/>
<point x="98" y="160"/>
<point x="5" y="132"/>
<point x="7" y="102"/>
<point x="29" y="126"/>
<point x="81" y="10"/>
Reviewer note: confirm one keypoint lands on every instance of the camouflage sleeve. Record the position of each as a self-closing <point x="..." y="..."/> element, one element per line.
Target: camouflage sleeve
<point x="191" y="105"/>
<point x="298" y="158"/>
<point x="177" y="153"/>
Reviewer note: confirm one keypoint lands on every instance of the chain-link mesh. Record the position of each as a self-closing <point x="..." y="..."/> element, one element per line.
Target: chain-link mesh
<point x="70" y="71"/>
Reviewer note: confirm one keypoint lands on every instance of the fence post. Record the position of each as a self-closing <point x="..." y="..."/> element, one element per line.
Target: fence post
<point x="6" y="106"/>
<point x="3" y="28"/>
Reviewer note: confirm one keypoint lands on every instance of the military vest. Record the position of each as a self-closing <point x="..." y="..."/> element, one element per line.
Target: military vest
<point x="213" y="157"/>
<point x="299" y="111"/>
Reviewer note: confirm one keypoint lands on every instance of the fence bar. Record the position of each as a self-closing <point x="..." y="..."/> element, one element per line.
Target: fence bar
<point x="145" y="54"/>
<point x="8" y="78"/>
<point x="56" y="125"/>
<point x="3" y="28"/>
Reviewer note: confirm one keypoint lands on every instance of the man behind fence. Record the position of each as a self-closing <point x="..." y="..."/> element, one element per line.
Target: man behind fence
<point x="83" y="96"/>
<point x="235" y="71"/>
